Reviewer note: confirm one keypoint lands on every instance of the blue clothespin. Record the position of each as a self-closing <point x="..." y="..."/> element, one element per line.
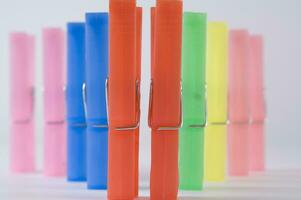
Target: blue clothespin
<point x="96" y="76"/>
<point x="76" y="170"/>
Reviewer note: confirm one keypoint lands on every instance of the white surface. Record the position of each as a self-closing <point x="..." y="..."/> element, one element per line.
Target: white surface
<point x="277" y="20"/>
<point x="273" y="185"/>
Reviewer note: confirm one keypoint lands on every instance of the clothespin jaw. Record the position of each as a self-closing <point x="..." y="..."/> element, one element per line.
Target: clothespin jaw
<point x="123" y="82"/>
<point x="94" y="88"/>
<point x="53" y="73"/>
<point x="217" y="74"/>
<point x="165" y="104"/>
<point x="239" y="63"/>
<point x="75" y="74"/>
<point x="193" y="70"/>
<point x="256" y="74"/>
<point x="22" y="47"/>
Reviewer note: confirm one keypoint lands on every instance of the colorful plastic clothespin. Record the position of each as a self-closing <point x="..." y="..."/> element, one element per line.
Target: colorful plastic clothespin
<point x="22" y="58"/>
<point x="54" y="102"/>
<point x="217" y="94"/>
<point x="97" y="41"/>
<point x="76" y="120"/>
<point x="257" y="104"/>
<point x="123" y="99"/>
<point x="238" y="139"/>
<point x="165" y="112"/>
<point x="191" y="163"/>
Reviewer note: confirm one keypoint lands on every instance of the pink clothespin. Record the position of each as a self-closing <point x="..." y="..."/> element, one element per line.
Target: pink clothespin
<point x="257" y="105"/>
<point x="22" y="148"/>
<point x="54" y="102"/>
<point x="238" y="103"/>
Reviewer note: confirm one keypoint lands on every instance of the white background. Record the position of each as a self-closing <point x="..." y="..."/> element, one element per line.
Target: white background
<point x="278" y="20"/>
